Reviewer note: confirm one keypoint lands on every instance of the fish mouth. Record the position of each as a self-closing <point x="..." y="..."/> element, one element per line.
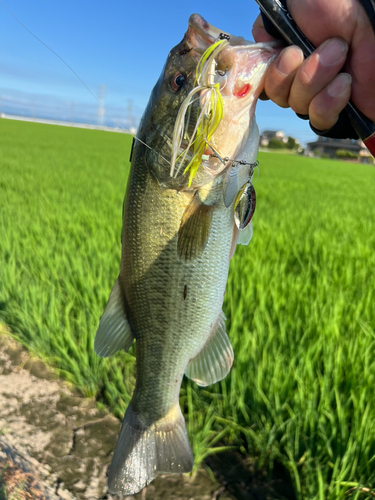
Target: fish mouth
<point x="207" y="34"/>
<point x="203" y="31"/>
<point x="232" y="69"/>
<point x="201" y="34"/>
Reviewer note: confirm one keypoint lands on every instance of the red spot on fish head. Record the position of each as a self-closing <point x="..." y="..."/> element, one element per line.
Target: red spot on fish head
<point x="241" y="89"/>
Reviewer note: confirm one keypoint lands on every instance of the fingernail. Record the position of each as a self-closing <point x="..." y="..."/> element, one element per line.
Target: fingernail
<point x="289" y="60"/>
<point x="332" y="51"/>
<point x="339" y="84"/>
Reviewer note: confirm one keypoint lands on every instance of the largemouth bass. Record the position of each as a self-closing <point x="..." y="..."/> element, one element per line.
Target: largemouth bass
<point x="179" y="232"/>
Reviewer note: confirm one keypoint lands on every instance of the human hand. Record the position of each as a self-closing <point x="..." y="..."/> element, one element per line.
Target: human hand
<point x="342" y="33"/>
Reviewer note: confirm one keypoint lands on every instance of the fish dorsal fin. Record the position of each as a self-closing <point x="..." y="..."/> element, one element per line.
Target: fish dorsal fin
<point x="214" y="361"/>
<point x="113" y="332"/>
<point x="194" y="229"/>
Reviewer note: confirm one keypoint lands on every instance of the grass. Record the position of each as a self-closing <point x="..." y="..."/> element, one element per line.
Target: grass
<point x="3" y="493"/>
<point x="300" y="301"/>
<point x="16" y="484"/>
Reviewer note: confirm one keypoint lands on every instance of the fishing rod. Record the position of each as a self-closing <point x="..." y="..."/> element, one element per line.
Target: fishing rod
<point x="280" y="17"/>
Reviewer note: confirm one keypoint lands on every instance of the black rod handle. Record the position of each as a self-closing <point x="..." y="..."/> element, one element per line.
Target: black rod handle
<point x="279" y="15"/>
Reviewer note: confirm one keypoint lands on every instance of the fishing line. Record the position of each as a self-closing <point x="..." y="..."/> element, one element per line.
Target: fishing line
<point x="209" y="54"/>
<point x="82" y="82"/>
<point x="258" y="172"/>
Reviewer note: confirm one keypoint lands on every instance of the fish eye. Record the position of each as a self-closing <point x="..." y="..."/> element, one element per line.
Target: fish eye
<point x="177" y="81"/>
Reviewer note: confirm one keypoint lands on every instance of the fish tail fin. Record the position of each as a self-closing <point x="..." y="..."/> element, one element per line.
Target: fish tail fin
<point x="144" y="451"/>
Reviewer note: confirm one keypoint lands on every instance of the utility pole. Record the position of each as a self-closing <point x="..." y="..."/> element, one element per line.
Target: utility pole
<point x="101" y="98"/>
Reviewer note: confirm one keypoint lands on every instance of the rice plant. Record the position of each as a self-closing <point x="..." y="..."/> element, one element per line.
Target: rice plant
<point x="300" y="301"/>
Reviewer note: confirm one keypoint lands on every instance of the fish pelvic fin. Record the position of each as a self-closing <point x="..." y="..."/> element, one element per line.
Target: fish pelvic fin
<point x="144" y="451"/>
<point x="194" y="229"/>
<point x="246" y="234"/>
<point x="236" y="233"/>
<point x="242" y="237"/>
<point x="214" y="361"/>
<point x="113" y="332"/>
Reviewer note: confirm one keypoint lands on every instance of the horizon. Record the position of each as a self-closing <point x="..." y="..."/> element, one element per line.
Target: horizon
<point x="37" y="84"/>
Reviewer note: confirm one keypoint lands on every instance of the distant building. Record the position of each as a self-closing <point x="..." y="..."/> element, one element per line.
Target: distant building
<point x="267" y="135"/>
<point x="277" y="139"/>
<point x="328" y="147"/>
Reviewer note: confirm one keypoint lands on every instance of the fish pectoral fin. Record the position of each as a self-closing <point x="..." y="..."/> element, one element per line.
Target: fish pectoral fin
<point x="245" y="235"/>
<point x="194" y="229"/>
<point x="215" y="360"/>
<point x="113" y="332"/>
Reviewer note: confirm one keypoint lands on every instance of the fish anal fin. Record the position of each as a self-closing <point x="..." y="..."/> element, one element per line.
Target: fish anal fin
<point x="194" y="229"/>
<point x="113" y="332"/>
<point x="215" y="359"/>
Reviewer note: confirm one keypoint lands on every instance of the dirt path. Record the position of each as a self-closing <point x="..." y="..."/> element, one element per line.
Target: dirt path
<point x="56" y="445"/>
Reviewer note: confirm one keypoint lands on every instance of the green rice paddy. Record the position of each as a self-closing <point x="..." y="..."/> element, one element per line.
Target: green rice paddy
<point x="300" y="302"/>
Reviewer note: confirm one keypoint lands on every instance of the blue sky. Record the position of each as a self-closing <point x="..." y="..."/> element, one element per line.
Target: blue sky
<point x="119" y="44"/>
